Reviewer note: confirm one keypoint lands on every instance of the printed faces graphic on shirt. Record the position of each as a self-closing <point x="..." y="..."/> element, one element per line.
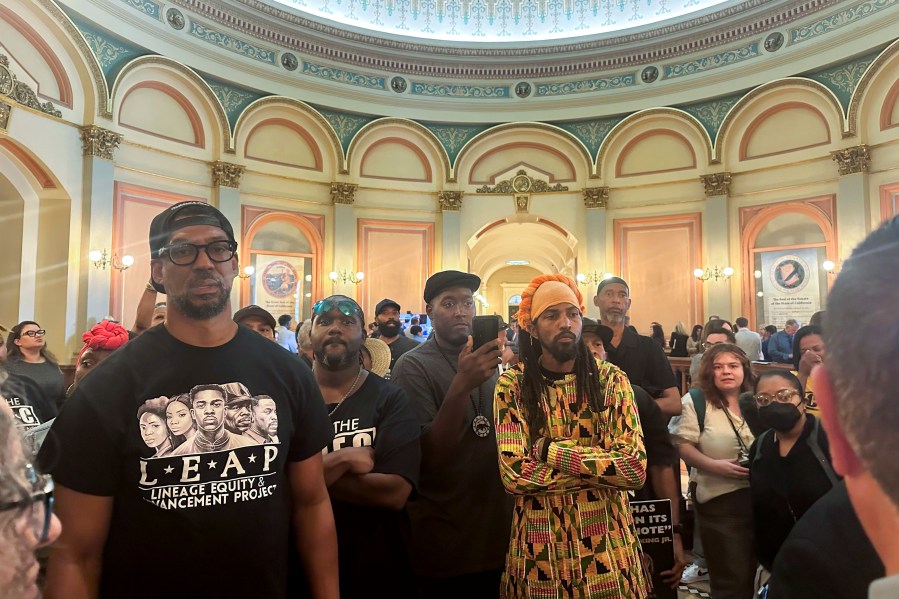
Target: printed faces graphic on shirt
<point x="348" y="434"/>
<point x="216" y="444"/>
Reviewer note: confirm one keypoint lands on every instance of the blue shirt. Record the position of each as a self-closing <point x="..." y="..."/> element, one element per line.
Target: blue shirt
<point x="287" y="339"/>
<point x="780" y="347"/>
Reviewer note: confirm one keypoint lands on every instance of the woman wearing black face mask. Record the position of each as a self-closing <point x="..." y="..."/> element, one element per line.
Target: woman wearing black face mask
<point x="789" y="467"/>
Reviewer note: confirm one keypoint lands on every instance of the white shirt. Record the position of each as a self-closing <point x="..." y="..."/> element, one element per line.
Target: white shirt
<point x="884" y="588"/>
<point x="287" y="339"/>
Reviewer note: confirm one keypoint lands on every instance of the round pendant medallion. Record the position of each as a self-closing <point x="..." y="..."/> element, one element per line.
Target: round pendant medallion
<point x="480" y="425"/>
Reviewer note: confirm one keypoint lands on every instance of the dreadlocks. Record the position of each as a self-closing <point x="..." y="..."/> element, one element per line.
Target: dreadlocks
<point x="533" y="388"/>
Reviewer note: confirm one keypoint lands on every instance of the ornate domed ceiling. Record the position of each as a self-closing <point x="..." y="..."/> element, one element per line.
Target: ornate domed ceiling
<point x="497" y="21"/>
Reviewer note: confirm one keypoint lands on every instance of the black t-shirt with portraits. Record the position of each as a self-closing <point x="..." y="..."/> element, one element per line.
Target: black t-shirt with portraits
<point x="199" y="510"/>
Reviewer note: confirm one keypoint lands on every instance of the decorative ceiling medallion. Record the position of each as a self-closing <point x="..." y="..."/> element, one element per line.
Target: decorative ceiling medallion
<point x="521" y="183"/>
<point x="289" y="61"/>
<point x="649" y="74"/>
<point x="175" y="19"/>
<point x="398" y="84"/>
<point x="523" y="89"/>
<point x="774" y="41"/>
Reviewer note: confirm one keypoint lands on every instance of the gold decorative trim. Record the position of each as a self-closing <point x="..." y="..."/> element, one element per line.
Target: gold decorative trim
<point x="862" y="86"/>
<point x="649" y="112"/>
<point x="522" y="203"/>
<point x="850" y="161"/>
<point x="585" y="153"/>
<point x="93" y="65"/>
<point x="521" y="183"/>
<point x="20" y="92"/>
<point x="185" y="71"/>
<point x="226" y="174"/>
<point x="343" y="193"/>
<point x="450" y="201"/>
<point x="751" y="96"/>
<point x="716" y="184"/>
<point x="419" y="128"/>
<point x="99" y="142"/>
<point x="303" y="108"/>
<point x="5" y="110"/>
<point x="596" y="197"/>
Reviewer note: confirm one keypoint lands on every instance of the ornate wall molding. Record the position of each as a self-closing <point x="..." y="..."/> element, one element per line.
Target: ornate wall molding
<point x="20" y="92"/>
<point x="521" y="183"/>
<point x="596" y="197"/>
<point x="226" y="174"/>
<point x="99" y="142"/>
<point x="716" y="184"/>
<point x="343" y="193"/>
<point x="856" y="159"/>
<point x="522" y="203"/>
<point x="5" y="109"/>
<point x="450" y="201"/>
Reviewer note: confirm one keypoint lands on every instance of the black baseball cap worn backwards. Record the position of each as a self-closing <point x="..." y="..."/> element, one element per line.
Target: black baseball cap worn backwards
<point x="181" y="215"/>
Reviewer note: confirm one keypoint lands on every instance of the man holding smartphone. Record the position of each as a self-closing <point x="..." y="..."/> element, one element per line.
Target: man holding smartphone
<point x="461" y="516"/>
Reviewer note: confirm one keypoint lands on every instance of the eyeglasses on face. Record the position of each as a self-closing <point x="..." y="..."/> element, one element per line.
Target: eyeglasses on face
<point x="782" y="396"/>
<point x="711" y="344"/>
<point x="37" y="333"/>
<point x="346" y="307"/>
<point x="39" y="502"/>
<point x="184" y="254"/>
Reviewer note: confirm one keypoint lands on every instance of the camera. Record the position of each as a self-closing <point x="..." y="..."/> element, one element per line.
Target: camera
<point x="743" y="460"/>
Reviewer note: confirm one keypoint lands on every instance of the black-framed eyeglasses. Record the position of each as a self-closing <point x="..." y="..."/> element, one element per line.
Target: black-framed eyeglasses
<point x="184" y="254"/>
<point x="40" y="502"/>
<point x="37" y="333"/>
<point x="346" y="307"/>
<point x="782" y="396"/>
<point x="710" y="344"/>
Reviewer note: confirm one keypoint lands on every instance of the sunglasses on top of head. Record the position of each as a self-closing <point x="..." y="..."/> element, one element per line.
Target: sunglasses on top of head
<point x="344" y="306"/>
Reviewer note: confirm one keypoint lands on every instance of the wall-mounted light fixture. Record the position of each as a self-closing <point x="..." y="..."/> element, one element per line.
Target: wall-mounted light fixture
<point x="346" y="276"/>
<point x="246" y="272"/>
<point x="592" y="278"/>
<point x="830" y="267"/>
<point x="478" y="297"/>
<point x="714" y="273"/>
<point x="100" y="260"/>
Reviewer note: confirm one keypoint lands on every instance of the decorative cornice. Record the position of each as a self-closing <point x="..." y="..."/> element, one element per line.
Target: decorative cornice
<point x="521" y="183"/>
<point x="856" y="159"/>
<point x="99" y="142"/>
<point x="5" y="109"/>
<point x="343" y="193"/>
<point x="596" y="197"/>
<point x="450" y="201"/>
<point x="716" y="184"/>
<point x="226" y="174"/>
<point x="20" y="92"/>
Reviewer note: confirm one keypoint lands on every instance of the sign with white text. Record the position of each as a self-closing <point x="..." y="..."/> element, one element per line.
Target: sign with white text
<point x="652" y="519"/>
<point x="790" y="282"/>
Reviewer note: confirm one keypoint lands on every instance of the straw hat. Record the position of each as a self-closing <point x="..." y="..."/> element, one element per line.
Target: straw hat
<point x="380" y="355"/>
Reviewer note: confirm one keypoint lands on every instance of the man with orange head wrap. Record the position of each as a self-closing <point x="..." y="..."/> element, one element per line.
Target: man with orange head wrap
<point x="570" y="446"/>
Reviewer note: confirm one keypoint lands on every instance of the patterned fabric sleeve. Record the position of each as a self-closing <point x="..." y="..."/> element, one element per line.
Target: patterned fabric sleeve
<point x="621" y="461"/>
<point x="569" y="466"/>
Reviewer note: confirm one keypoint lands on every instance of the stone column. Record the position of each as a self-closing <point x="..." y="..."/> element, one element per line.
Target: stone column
<point x="596" y="201"/>
<point x="343" y="196"/>
<point x="226" y="195"/>
<point x="716" y="244"/>
<point x="451" y="230"/>
<point x="853" y="206"/>
<point x="98" y="193"/>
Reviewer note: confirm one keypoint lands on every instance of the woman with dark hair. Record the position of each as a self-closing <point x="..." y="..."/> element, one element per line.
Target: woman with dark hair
<point x="678" y="341"/>
<point x="789" y="464"/>
<point x="180" y="423"/>
<point x="26" y="518"/>
<point x="693" y="343"/>
<point x="658" y="334"/>
<point x="808" y="352"/>
<point x="27" y="355"/>
<point x="153" y="428"/>
<point x="713" y="438"/>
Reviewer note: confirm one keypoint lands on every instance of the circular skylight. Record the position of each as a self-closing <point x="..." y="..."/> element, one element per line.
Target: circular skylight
<point x="496" y="20"/>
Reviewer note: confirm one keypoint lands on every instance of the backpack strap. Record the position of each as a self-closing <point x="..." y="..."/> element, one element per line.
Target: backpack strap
<point x="758" y="445"/>
<point x="698" y="398"/>
<point x="819" y="455"/>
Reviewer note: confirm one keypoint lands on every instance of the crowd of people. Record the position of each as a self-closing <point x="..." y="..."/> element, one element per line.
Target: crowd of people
<point x="345" y="457"/>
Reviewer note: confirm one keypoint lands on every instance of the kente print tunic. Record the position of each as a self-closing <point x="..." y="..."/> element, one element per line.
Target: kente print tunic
<point x="572" y="531"/>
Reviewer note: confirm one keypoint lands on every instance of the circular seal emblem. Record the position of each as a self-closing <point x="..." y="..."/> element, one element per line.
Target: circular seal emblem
<point x="279" y="279"/>
<point x="789" y="274"/>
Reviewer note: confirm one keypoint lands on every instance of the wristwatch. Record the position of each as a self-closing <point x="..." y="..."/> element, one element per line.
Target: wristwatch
<point x="677" y="529"/>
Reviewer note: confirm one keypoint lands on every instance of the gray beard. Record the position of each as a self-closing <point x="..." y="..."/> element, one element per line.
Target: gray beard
<point x="204" y="311"/>
<point x="342" y="363"/>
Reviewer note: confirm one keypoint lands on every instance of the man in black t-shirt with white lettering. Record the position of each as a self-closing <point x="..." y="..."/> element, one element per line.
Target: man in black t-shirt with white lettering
<point x="371" y="467"/>
<point x="131" y="488"/>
